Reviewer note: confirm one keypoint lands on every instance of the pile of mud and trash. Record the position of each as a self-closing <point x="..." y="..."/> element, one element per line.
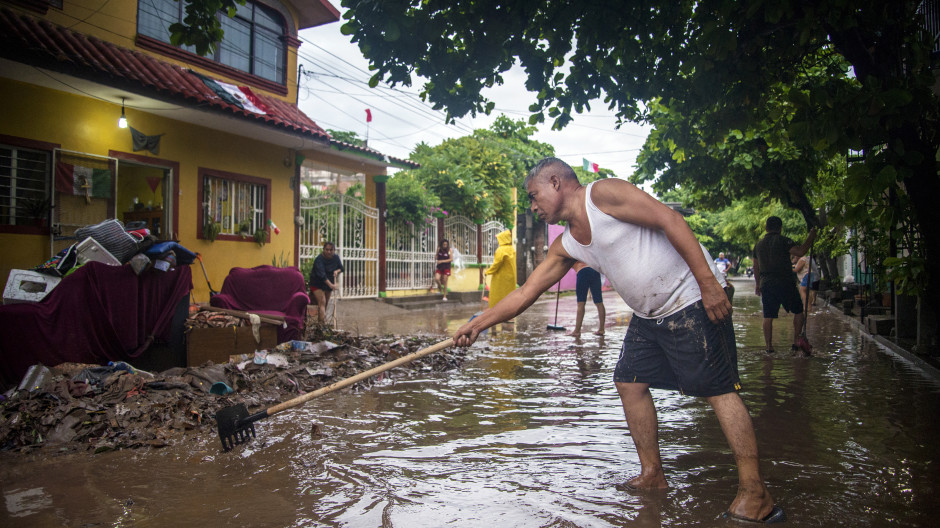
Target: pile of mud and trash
<point x="95" y="408"/>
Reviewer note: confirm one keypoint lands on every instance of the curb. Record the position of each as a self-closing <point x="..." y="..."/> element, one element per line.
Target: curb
<point x="891" y="348"/>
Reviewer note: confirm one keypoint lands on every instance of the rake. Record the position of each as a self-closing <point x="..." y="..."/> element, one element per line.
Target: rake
<point x="212" y="292"/>
<point x="236" y="426"/>
<point x="556" y="326"/>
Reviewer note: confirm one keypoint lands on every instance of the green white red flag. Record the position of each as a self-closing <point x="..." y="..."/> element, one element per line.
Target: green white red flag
<point x="588" y="166"/>
<point x="83" y="181"/>
<point x="240" y="96"/>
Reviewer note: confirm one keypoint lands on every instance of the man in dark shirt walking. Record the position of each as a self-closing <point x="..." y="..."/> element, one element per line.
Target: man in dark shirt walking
<point x="776" y="282"/>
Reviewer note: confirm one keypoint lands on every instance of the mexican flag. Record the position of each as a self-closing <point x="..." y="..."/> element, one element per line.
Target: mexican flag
<point x="588" y="166"/>
<point x="240" y="96"/>
<point x="82" y="181"/>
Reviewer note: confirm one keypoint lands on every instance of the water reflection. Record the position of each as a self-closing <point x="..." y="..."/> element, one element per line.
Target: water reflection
<point x="529" y="432"/>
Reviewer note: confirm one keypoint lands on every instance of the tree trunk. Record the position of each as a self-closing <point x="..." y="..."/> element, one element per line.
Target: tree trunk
<point x="923" y="187"/>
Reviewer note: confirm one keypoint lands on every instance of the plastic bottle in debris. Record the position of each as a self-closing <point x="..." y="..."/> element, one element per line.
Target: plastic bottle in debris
<point x="261" y="357"/>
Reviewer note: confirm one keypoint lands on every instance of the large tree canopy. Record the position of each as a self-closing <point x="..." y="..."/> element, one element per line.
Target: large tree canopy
<point x="473" y="175"/>
<point x="788" y="83"/>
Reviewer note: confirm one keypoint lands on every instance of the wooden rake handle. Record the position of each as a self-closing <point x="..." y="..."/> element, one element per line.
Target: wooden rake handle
<point x="300" y="400"/>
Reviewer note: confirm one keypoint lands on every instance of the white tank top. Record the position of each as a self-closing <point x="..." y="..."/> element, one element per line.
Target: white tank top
<point x="640" y="263"/>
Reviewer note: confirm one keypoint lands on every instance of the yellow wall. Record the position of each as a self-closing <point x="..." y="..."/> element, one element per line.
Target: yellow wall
<point x="90" y="126"/>
<point x="134" y="185"/>
<point x="466" y="279"/>
<point x="463" y="280"/>
<point x="116" y="22"/>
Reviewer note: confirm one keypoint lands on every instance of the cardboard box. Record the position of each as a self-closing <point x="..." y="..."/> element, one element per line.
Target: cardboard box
<point x="28" y="286"/>
<point x="217" y="344"/>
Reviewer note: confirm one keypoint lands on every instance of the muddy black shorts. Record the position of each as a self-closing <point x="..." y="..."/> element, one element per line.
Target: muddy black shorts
<point x="777" y="293"/>
<point x="684" y="351"/>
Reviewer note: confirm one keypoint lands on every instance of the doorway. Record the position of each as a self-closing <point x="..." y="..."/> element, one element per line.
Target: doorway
<point x="142" y="197"/>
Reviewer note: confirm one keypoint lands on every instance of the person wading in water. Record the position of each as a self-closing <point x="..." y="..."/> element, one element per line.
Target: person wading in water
<point x="651" y="258"/>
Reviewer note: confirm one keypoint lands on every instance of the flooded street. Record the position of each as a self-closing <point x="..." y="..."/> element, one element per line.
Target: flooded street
<point x="530" y="433"/>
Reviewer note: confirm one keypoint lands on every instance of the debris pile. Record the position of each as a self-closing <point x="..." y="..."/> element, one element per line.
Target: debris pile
<point x="100" y="408"/>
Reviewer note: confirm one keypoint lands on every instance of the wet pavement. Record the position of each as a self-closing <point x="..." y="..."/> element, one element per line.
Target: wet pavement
<point x="529" y="432"/>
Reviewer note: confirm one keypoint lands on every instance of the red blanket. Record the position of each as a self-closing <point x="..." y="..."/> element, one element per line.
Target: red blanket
<point x="97" y="314"/>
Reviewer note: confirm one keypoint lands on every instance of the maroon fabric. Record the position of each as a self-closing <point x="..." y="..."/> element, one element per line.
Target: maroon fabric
<point x="267" y="290"/>
<point x="97" y="314"/>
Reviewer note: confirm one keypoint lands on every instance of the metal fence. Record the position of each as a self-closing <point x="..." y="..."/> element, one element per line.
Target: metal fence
<point x="490" y="230"/>
<point x="462" y="234"/>
<point x="409" y="254"/>
<point x="353" y="227"/>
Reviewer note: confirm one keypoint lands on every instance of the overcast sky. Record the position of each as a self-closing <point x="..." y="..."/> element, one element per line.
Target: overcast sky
<point x="335" y="94"/>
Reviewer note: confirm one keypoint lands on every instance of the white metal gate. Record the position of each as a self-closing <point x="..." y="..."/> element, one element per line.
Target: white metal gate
<point x="353" y="227"/>
<point x="462" y="234"/>
<point x="490" y="230"/>
<point x="409" y="255"/>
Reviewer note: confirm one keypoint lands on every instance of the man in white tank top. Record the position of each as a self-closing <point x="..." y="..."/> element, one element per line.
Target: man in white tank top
<point x="681" y="311"/>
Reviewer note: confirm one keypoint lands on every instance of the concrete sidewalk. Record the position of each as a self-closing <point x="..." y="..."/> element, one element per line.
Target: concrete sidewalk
<point x="745" y="285"/>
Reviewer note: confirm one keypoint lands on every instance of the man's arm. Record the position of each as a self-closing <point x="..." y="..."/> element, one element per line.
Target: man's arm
<point x="627" y="203"/>
<point x="550" y="271"/>
<point x="756" y="267"/>
<point x="331" y="281"/>
<point x="803" y="248"/>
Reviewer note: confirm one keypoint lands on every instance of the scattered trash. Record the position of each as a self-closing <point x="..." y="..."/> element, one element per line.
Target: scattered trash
<point x="220" y="388"/>
<point x="98" y="408"/>
<point x="261" y="357"/>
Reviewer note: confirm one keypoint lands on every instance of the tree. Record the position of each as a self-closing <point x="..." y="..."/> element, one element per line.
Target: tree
<point x="473" y="175"/>
<point x="407" y="200"/>
<point x="346" y="136"/>
<point x="201" y="26"/>
<point x="720" y="61"/>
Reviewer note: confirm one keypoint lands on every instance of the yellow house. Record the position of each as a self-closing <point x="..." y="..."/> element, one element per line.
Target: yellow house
<point x="211" y="152"/>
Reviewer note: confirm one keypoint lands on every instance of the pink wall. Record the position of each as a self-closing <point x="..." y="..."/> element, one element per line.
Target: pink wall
<point x="569" y="280"/>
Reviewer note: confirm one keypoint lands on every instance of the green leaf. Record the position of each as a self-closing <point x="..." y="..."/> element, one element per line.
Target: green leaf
<point x="392" y="31"/>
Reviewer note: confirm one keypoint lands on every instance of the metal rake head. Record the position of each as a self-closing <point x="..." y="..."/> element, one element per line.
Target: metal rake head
<point x="234" y="429"/>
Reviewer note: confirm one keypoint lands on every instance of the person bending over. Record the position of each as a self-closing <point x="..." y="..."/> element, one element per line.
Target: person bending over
<point x="326" y="268"/>
<point x="680" y="336"/>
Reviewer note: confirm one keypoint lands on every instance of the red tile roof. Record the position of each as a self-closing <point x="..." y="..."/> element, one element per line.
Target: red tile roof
<point x="40" y="43"/>
<point x="391" y="160"/>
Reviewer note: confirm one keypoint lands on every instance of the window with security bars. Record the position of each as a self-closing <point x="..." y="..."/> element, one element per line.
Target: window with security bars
<point x="253" y="42"/>
<point x="234" y="204"/>
<point x="24" y="185"/>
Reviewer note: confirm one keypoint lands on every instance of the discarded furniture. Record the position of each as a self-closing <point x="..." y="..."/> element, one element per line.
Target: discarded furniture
<point x="267" y="290"/>
<point x="96" y="314"/>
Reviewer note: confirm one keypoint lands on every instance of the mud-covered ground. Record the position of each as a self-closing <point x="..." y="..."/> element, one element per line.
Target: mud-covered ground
<point x="94" y="408"/>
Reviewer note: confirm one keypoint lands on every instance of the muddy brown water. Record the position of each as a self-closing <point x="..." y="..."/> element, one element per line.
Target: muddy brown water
<point x="530" y="433"/>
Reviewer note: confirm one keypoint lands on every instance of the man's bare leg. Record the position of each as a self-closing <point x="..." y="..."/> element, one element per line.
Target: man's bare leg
<point x="601" y="318"/>
<point x="768" y="328"/>
<point x="640" y="412"/>
<point x="579" y="318"/>
<point x="797" y="326"/>
<point x="753" y="499"/>
<point x="321" y="305"/>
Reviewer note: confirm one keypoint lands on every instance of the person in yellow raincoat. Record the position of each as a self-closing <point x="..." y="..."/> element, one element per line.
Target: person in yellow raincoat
<point x="503" y="269"/>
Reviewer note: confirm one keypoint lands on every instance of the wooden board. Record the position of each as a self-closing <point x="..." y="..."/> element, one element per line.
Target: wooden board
<point x="217" y="344"/>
